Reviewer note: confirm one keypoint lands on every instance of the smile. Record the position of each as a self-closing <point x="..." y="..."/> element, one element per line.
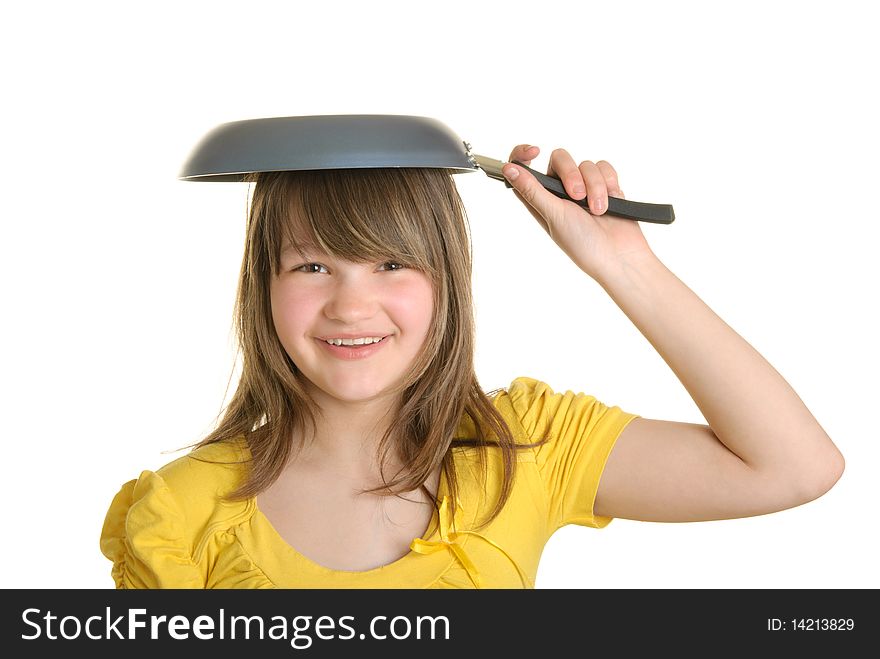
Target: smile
<point x="353" y="352"/>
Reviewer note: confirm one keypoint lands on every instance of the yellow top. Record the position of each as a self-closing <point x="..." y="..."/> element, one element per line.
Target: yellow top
<point x="169" y="528"/>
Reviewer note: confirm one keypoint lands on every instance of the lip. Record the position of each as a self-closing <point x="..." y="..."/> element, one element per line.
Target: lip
<point x="352" y="353"/>
<point x="353" y="336"/>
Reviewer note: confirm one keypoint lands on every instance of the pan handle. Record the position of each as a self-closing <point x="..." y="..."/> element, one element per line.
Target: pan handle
<point x="630" y="210"/>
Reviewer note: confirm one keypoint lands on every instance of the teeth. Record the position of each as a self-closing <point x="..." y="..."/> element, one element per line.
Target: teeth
<point x="354" y="342"/>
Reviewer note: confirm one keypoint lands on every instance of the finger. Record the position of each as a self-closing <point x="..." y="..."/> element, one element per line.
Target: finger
<point x="611" y="181"/>
<point x="541" y="203"/>
<point x="597" y="192"/>
<point x="524" y="153"/>
<point x="533" y="211"/>
<point x="563" y="167"/>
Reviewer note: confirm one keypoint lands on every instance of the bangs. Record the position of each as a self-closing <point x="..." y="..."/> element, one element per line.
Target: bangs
<point x="359" y="215"/>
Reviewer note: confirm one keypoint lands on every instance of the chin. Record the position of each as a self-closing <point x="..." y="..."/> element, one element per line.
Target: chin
<point x="352" y="389"/>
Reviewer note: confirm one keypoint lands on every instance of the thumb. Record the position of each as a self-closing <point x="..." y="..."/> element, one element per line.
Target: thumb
<point x="530" y="190"/>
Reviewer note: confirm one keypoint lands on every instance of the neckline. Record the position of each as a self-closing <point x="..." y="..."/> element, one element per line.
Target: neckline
<point x="287" y="567"/>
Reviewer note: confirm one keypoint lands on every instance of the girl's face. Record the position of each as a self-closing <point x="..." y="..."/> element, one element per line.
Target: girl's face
<point x="316" y="297"/>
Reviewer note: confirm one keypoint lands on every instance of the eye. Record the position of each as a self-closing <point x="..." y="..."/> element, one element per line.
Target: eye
<point x="307" y="265"/>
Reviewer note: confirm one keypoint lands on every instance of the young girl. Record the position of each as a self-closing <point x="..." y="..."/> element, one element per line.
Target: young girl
<point x="383" y="464"/>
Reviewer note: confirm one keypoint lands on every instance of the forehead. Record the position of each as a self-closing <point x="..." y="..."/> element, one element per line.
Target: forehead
<point x="305" y="245"/>
<point x="296" y="228"/>
<point x="288" y="247"/>
<point x="299" y="237"/>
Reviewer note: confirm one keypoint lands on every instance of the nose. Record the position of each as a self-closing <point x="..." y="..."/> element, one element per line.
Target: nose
<point x="352" y="300"/>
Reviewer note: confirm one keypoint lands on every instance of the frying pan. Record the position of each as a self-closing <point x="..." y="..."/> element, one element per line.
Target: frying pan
<point x="233" y="150"/>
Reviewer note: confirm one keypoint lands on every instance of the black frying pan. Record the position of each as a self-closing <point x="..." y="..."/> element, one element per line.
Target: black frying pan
<point x="353" y="141"/>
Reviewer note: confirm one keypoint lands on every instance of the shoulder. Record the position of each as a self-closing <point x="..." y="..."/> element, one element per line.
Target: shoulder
<point x="525" y="405"/>
<point x="207" y="472"/>
<point x="536" y="405"/>
<point x="581" y="432"/>
<point x="525" y="401"/>
<point x="198" y="482"/>
<point x="522" y="391"/>
<point x="519" y="404"/>
<point x="156" y="522"/>
<point x="575" y="423"/>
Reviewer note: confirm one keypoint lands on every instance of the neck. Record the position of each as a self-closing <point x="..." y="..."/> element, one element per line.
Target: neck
<point x="347" y="437"/>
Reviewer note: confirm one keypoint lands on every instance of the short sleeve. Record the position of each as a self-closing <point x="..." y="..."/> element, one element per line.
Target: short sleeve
<point x="583" y="431"/>
<point x="143" y="535"/>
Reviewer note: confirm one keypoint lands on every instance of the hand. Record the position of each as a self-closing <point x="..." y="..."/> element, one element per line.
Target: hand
<point x="596" y="244"/>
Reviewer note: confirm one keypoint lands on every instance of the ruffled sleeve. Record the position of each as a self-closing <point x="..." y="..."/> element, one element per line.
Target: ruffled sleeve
<point x="144" y="536"/>
<point x="583" y="433"/>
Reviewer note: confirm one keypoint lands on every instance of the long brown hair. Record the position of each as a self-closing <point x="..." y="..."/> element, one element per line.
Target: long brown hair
<point x="413" y="216"/>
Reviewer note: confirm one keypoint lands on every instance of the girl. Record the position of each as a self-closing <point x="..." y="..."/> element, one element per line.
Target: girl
<point x="292" y="489"/>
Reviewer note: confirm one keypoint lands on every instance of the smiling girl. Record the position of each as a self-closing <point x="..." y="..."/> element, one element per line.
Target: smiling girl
<point x="384" y="464"/>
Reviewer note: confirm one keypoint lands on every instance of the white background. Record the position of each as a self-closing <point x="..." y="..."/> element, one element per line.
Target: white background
<point x="756" y="120"/>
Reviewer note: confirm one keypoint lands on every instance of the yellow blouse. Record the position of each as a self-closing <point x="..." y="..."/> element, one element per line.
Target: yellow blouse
<point x="170" y="529"/>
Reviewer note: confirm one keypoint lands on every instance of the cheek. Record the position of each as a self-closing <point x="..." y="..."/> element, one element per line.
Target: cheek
<point x="414" y="306"/>
<point x="291" y="308"/>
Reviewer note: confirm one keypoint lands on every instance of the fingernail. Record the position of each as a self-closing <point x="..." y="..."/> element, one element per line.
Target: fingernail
<point x="511" y="173"/>
<point x="579" y="189"/>
<point x="598" y="205"/>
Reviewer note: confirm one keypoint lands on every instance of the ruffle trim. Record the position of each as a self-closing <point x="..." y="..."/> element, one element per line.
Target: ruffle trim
<point x="143" y="535"/>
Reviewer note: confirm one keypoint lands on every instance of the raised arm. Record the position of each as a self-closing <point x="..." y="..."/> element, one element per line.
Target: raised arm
<point x="762" y="450"/>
